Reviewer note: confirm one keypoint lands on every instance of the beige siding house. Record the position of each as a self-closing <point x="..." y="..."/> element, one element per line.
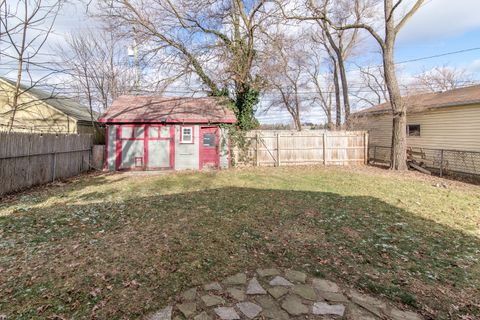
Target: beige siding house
<point x="41" y="112"/>
<point x="447" y="120"/>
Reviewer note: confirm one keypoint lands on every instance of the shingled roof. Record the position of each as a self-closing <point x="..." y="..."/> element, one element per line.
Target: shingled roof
<point x="128" y="109"/>
<point x="63" y="104"/>
<point x="428" y="101"/>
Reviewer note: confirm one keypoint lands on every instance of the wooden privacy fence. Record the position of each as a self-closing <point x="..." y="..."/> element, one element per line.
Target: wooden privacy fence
<point x="28" y="159"/>
<point x="276" y="148"/>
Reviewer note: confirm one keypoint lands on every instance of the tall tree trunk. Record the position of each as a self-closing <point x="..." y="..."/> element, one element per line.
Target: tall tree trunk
<point x="346" y="98"/>
<point x="16" y="95"/>
<point x="338" y="49"/>
<point x="298" y="123"/>
<point x="399" y="132"/>
<point x="330" y="125"/>
<point x="338" y="105"/>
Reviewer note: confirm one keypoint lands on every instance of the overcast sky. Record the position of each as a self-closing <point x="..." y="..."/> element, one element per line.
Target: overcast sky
<point x="439" y="27"/>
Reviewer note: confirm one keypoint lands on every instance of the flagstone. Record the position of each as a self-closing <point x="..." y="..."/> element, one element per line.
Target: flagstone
<point x="254" y="287"/>
<point x="280" y="281"/>
<point x="227" y="313"/>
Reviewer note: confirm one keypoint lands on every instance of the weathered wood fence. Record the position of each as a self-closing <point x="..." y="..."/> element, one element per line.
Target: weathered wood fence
<point x="28" y="159"/>
<point x="440" y="161"/>
<point x="277" y="148"/>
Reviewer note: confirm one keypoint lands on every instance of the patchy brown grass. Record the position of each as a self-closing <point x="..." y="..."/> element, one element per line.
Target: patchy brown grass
<point x="120" y="246"/>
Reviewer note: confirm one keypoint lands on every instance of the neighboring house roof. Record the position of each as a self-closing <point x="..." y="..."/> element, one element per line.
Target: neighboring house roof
<point x="428" y="101"/>
<point x="65" y="105"/>
<point x="169" y="109"/>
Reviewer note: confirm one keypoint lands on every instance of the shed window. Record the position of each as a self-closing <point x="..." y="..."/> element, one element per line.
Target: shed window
<point x="165" y="132"/>
<point x="127" y="132"/>
<point x="153" y="132"/>
<point x="413" y="130"/>
<point x="186" y="135"/>
<point x="138" y="132"/>
<point x="209" y="140"/>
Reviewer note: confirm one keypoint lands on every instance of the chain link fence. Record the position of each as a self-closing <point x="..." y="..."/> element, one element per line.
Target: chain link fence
<point x="438" y="161"/>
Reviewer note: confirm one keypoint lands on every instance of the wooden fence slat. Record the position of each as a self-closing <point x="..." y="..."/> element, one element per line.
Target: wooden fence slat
<point x="28" y="159"/>
<point x="293" y="147"/>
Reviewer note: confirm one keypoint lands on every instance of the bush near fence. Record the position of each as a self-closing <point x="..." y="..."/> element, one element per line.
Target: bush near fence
<point x="285" y="147"/>
<point x="28" y="159"/>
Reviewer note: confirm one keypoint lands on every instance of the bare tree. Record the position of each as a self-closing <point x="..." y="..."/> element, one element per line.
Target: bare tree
<point x="393" y="21"/>
<point x="339" y="43"/>
<point x="442" y="78"/>
<point x="326" y="88"/>
<point x="287" y="74"/>
<point x="372" y="89"/>
<point x="26" y="27"/>
<point x="320" y="39"/>
<point x="215" y="40"/>
<point x="98" y="67"/>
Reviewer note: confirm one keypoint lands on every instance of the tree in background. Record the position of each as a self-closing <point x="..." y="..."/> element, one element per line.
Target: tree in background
<point x="25" y="27"/>
<point x="393" y="20"/>
<point x="331" y="61"/>
<point x="372" y="89"/>
<point x="286" y="71"/>
<point x="216" y="41"/>
<point x="340" y="43"/>
<point x="387" y="41"/>
<point x="97" y="67"/>
<point x="325" y="87"/>
<point x="337" y="43"/>
<point x="442" y="78"/>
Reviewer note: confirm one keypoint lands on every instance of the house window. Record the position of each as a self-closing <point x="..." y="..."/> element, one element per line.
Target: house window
<point x="413" y="130"/>
<point x="186" y="135"/>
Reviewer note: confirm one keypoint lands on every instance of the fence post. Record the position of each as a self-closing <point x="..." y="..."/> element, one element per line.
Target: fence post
<point x="441" y="163"/>
<point x="54" y="160"/>
<point x="365" y="142"/>
<point x="54" y="165"/>
<point x="278" y="150"/>
<point x="324" y="149"/>
<point x="90" y="158"/>
<point x="256" y="150"/>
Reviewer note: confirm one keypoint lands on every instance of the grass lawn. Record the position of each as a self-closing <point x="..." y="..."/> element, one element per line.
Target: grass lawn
<point x="119" y="246"/>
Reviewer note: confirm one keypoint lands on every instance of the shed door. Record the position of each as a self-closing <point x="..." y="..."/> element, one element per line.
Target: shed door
<point x="209" y="147"/>
<point x="159" y="147"/>
<point x="132" y="155"/>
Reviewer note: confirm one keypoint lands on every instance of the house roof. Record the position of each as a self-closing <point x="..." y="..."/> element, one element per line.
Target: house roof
<point x="128" y="109"/>
<point x="428" y="101"/>
<point x="66" y="105"/>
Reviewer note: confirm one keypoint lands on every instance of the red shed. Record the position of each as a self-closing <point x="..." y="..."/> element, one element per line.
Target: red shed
<point x="155" y="133"/>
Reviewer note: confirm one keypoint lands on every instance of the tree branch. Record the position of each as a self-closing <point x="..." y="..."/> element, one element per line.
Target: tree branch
<point x="407" y="16"/>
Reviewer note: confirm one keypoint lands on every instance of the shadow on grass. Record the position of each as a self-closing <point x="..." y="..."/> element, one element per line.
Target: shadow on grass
<point x="122" y="260"/>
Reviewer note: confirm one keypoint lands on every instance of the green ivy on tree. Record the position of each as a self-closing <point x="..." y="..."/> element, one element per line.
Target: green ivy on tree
<point x="243" y="105"/>
<point x="244" y="109"/>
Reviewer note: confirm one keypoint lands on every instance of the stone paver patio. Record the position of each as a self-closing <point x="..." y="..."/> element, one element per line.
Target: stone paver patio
<point x="276" y="294"/>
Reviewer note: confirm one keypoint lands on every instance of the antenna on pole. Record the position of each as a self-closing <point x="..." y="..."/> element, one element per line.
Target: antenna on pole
<point x="133" y="53"/>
